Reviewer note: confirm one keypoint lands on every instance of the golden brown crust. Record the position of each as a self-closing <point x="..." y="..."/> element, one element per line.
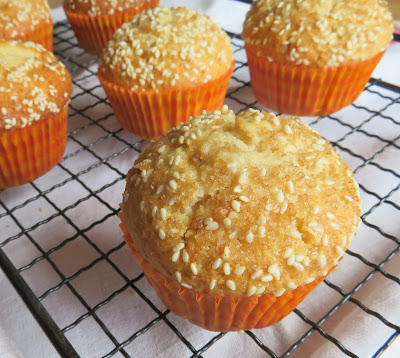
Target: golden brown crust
<point x="241" y="204"/>
<point x="102" y="7"/>
<point x="318" y="33"/>
<point x="34" y="84"/>
<point x="167" y="48"/>
<point x="20" y="17"/>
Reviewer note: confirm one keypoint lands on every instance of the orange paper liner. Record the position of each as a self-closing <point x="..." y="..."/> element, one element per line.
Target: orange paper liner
<point x="149" y="113"/>
<point x="27" y="153"/>
<point x="307" y="91"/>
<point x="220" y="313"/>
<point x="94" y="32"/>
<point x="43" y="34"/>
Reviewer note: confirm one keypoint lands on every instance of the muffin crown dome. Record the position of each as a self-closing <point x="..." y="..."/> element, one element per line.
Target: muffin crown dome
<point x="34" y="84"/>
<point x="318" y="33"/>
<point x="19" y="17"/>
<point x="166" y="48"/>
<point x="241" y="205"/>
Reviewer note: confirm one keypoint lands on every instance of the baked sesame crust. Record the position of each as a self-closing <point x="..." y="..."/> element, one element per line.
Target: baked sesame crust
<point x="102" y="7"/>
<point x="241" y="205"/>
<point x="20" y="17"/>
<point x="34" y="84"/>
<point x="165" y="48"/>
<point x="318" y="33"/>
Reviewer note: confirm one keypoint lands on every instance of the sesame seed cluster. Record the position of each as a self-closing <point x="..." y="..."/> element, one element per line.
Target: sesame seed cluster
<point x="241" y="205"/>
<point x="20" y="17"/>
<point x="102" y="7"/>
<point x="166" y="48"/>
<point x="34" y="85"/>
<point x="324" y="33"/>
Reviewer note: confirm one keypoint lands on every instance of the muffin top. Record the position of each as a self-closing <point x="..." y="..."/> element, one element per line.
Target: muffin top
<point x="102" y="7"/>
<point x="166" y="48"/>
<point x="318" y="33"/>
<point x="20" y="17"/>
<point x="34" y="85"/>
<point x="241" y="205"/>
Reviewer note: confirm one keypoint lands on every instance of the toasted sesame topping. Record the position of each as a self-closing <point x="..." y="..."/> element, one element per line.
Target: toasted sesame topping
<point x="178" y="247"/>
<point x="185" y="285"/>
<point x="280" y="197"/>
<point x="237" y="189"/>
<point x="251" y="291"/>
<point x="212" y="284"/>
<point x="236" y="205"/>
<point x="175" y="256"/>
<point x="298" y="267"/>
<point x="239" y="270"/>
<point x="279" y="292"/>
<point x="178" y="276"/>
<point x="267" y="278"/>
<point x="212" y="226"/>
<point x="260" y="290"/>
<point x="227" y="222"/>
<point x="289" y="252"/>
<point x="194" y="269"/>
<point x="217" y="263"/>
<point x="227" y="268"/>
<point x="163" y="214"/>
<point x="250" y="237"/>
<point x="231" y="285"/>
<point x="161" y="233"/>
<point x="256" y="274"/>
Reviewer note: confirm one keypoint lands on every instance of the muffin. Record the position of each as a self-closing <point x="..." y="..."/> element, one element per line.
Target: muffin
<point x="165" y="65"/>
<point x="26" y="20"/>
<point x="314" y="57"/>
<point x="34" y="94"/>
<point x="95" y="21"/>
<point x="235" y="219"/>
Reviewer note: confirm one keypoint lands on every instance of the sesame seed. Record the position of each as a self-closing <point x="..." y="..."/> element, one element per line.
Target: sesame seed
<point x="256" y="274"/>
<point x="126" y="197"/>
<point x="186" y="285"/>
<point x="239" y="270"/>
<point x="194" y="269"/>
<point x="272" y="269"/>
<point x="291" y="260"/>
<point x="3" y="111"/>
<point x="316" y="209"/>
<point x="154" y="211"/>
<point x="212" y="284"/>
<point x="330" y="215"/>
<point x="161" y="149"/>
<point x="237" y="189"/>
<point x="227" y="221"/>
<point x="306" y="261"/>
<point x="163" y="213"/>
<point x="244" y="198"/>
<point x="161" y="233"/>
<point x="334" y="225"/>
<point x="250" y="237"/>
<point x="141" y="205"/>
<point x="309" y="280"/>
<point x="300" y="258"/>
<point x="231" y="285"/>
<point x="289" y="252"/>
<point x="348" y="198"/>
<point x="173" y="184"/>
<point x="217" y="263"/>
<point x="178" y="247"/>
<point x="236" y="205"/>
<point x="175" y="256"/>
<point x="212" y="226"/>
<point x="292" y="285"/>
<point x="325" y="240"/>
<point x="227" y="251"/>
<point x="178" y="276"/>
<point x="291" y="187"/>
<point x="262" y="220"/>
<point x="280" y="197"/>
<point x="267" y="278"/>
<point x="339" y="250"/>
<point x="284" y="207"/>
<point x="185" y="256"/>
<point x="263" y="172"/>
<point x="243" y="178"/>
<point x="279" y="292"/>
<point x="171" y="202"/>
<point x="260" y="290"/>
<point x="227" y="269"/>
<point x="298" y="267"/>
<point x="322" y="261"/>
<point x="251" y="291"/>
<point x="344" y="241"/>
<point x="287" y="129"/>
<point x="261" y="230"/>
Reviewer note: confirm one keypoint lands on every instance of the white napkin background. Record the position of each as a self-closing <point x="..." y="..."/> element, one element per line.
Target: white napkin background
<point x="20" y="336"/>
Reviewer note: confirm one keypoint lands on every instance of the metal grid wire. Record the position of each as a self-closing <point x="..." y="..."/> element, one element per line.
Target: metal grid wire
<point x="89" y="130"/>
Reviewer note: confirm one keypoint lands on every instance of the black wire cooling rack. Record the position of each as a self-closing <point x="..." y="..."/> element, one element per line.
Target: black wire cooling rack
<point x="71" y="240"/>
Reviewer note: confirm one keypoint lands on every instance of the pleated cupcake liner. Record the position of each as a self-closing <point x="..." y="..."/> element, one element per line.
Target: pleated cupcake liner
<point x="220" y="313"/>
<point x="150" y="113"/>
<point x="307" y="91"/>
<point x="94" y="32"/>
<point x="28" y="153"/>
<point x="43" y="35"/>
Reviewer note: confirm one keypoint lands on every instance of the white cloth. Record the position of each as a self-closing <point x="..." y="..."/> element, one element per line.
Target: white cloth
<point x="363" y="334"/>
